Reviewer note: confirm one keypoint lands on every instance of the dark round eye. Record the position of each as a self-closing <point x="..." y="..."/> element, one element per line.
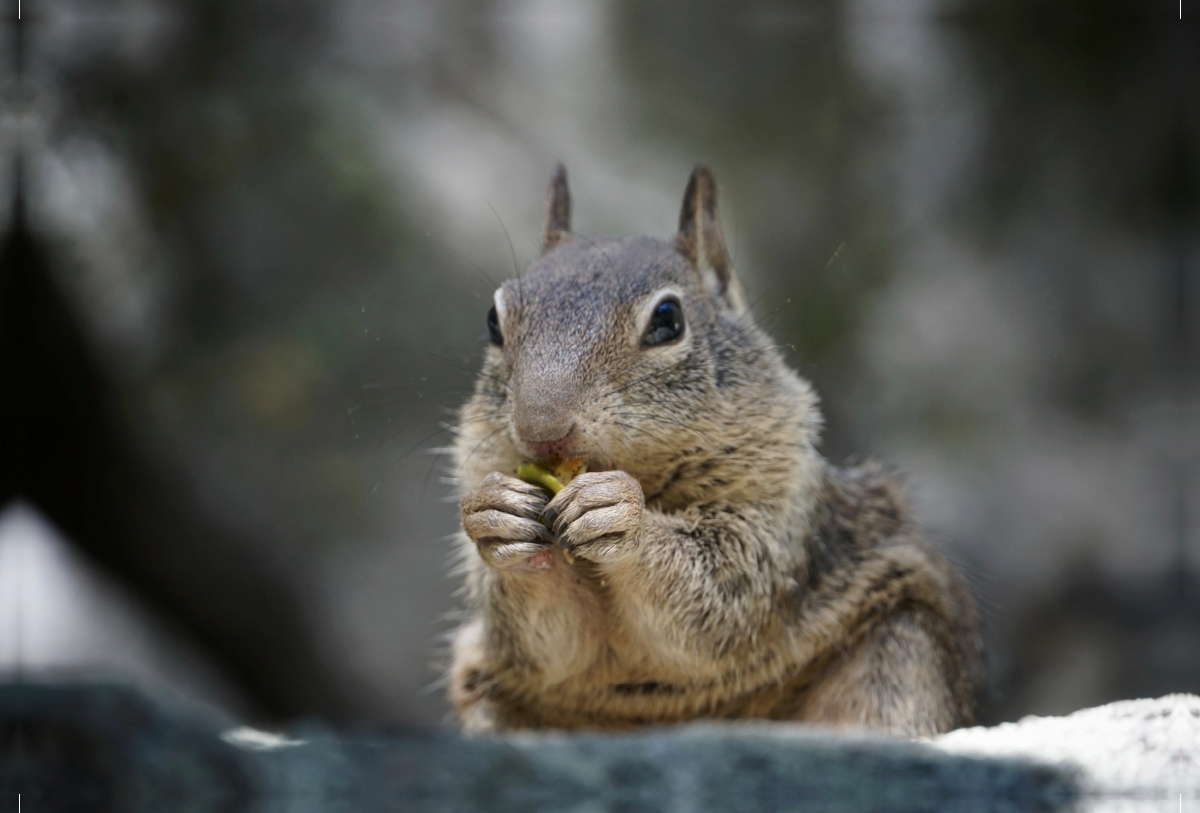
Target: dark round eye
<point x="666" y="323"/>
<point x="494" y="328"/>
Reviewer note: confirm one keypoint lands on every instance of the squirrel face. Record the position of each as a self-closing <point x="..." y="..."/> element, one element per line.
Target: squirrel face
<point x="590" y="330"/>
<point x="619" y="350"/>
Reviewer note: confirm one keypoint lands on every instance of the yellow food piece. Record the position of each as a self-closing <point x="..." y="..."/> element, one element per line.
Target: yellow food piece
<point x="551" y="475"/>
<point x="568" y="469"/>
<point x="535" y="475"/>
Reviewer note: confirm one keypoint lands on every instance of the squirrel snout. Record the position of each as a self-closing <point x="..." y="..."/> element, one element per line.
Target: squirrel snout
<point x="566" y="446"/>
<point x="544" y="410"/>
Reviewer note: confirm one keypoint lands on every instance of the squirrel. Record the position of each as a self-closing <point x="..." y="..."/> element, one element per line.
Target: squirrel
<point x="710" y="563"/>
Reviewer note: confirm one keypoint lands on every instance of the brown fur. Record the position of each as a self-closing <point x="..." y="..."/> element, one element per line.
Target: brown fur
<point x="711" y="563"/>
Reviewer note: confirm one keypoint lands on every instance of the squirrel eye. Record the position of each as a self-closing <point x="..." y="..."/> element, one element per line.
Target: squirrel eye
<point x="493" y="323"/>
<point x="666" y="323"/>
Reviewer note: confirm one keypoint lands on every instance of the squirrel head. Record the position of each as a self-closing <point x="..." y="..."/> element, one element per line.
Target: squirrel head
<point x="627" y="351"/>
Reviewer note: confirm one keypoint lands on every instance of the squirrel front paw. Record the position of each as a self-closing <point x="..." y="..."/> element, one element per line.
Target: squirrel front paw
<point x="595" y="514"/>
<point x="501" y="518"/>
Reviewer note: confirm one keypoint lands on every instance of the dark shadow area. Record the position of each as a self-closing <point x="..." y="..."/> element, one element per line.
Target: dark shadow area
<point x="63" y="450"/>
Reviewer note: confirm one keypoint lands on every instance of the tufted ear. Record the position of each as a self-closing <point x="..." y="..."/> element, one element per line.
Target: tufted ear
<point x="557" y="225"/>
<point x="701" y="241"/>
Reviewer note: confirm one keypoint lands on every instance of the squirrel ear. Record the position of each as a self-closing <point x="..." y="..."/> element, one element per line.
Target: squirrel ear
<point x="557" y="225"/>
<point x="701" y="241"/>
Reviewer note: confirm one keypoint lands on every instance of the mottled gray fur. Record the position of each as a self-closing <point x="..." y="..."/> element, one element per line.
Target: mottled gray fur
<point x="710" y="563"/>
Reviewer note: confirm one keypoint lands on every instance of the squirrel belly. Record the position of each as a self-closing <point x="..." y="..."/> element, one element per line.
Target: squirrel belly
<point x="707" y="562"/>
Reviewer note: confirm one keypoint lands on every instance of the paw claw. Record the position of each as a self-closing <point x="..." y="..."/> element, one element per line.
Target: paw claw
<point x="501" y="517"/>
<point x="595" y="515"/>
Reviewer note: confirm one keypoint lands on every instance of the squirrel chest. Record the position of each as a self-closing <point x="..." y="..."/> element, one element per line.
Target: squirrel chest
<point x="707" y="562"/>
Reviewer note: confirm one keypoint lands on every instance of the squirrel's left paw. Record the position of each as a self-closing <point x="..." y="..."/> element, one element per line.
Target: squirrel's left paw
<point x="594" y="514"/>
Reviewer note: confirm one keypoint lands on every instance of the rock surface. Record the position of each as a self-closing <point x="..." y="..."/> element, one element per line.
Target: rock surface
<point x="102" y="747"/>
<point x="1133" y="748"/>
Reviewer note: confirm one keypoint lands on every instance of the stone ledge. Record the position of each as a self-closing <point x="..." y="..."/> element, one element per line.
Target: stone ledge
<point x="103" y="747"/>
<point x="1132" y="748"/>
<point x="708" y="767"/>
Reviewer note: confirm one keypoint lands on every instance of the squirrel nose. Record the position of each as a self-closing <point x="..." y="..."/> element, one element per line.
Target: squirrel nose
<point x="541" y="423"/>
<point x="551" y="436"/>
<point x="544" y="411"/>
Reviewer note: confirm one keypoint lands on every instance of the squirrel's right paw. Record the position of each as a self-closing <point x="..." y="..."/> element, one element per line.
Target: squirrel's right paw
<point x="501" y="517"/>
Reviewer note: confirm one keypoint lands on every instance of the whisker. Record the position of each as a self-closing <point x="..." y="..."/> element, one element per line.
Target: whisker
<point x="493" y="415"/>
<point x="669" y="368"/>
<point x="480" y="443"/>
<point x="462" y="257"/>
<point x="643" y="430"/>
<point x="432" y="464"/>
<point x="473" y="370"/>
<point x="724" y="340"/>
<point x="392" y="438"/>
<point x="513" y="252"/>
<point x="596" y="246"/>
<point x="402" y="458"/>
<point x="666" y="421"/>
<point x="665" y="399"/>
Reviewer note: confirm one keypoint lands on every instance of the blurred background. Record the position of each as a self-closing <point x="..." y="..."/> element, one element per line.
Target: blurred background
<point x="249" y="247"/>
